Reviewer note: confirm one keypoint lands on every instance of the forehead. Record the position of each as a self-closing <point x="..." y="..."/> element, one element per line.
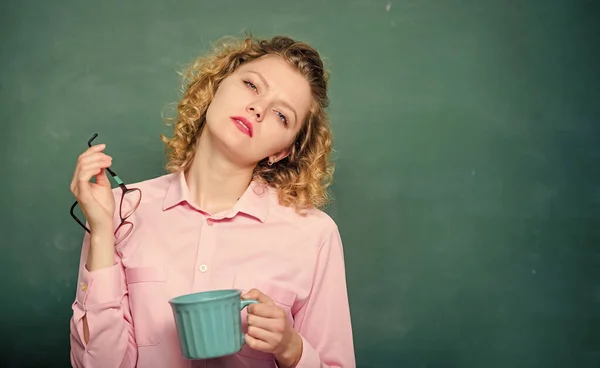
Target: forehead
<point x="284" y="79"/>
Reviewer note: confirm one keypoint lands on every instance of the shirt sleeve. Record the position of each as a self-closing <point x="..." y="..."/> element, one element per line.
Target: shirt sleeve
<point x="324" y="321"/>
<point x="102" y="298"/>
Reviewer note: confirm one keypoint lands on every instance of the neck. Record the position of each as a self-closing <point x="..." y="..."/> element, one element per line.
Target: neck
<point x="214" y="182"/>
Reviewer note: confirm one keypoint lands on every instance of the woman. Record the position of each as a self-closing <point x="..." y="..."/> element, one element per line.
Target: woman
<point x="249" y="169"/>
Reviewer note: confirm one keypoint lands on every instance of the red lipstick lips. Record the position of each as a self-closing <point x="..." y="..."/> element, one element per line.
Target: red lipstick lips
<point x="243" y="124"/>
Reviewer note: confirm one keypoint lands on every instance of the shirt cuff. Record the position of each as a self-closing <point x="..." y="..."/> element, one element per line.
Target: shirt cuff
<point x="310" y="357"/>
<point x="100" y="286"/>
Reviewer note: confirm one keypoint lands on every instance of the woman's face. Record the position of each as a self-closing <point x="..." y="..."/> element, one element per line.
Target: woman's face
<point x="258" y="110"/>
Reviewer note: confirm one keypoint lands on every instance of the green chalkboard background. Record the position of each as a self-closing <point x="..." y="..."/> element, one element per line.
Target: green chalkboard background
<point x="467" y="138"/>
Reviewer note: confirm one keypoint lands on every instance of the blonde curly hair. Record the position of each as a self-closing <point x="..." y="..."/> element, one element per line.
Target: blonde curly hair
<point x="303" y="177"/>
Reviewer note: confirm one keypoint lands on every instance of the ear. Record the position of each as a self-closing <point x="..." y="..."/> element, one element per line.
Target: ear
<point x="280" y="155"/>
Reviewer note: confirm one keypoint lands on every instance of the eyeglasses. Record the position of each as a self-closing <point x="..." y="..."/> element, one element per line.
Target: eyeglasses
<point x="130" y="201"/>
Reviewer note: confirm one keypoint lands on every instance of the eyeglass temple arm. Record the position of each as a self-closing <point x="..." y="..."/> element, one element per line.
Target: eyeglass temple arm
<point x="112" y="173"/>
<point x="76" y="219"/>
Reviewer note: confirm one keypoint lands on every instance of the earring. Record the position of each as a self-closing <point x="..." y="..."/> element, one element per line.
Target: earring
<point x="270" y="163"/>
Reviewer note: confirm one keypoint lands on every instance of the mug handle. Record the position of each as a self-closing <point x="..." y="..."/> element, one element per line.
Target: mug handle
<point x="243" y="304"/>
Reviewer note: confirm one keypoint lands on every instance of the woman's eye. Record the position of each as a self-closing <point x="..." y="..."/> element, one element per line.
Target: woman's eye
<point x="282" y="117"/>
<point x="250" y="85"/>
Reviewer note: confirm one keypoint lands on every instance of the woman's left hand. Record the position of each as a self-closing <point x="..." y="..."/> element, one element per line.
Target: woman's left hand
<point x="269" y="330"/>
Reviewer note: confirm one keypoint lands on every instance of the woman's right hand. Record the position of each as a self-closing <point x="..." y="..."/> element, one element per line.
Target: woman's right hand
<point x="96" y="199"/>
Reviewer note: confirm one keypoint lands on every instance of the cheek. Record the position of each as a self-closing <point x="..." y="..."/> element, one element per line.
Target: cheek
<point x="216" y="111"/>
<point x="277" y="141"/>
<point x="210" y="118"/>
<point x="227" y="103"/>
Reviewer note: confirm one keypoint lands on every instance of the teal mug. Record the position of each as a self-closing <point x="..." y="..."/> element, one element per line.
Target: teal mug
<point x="209" y="323"/>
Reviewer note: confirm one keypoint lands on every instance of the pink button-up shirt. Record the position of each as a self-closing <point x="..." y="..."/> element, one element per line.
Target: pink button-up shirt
<point x="176" y="248"/>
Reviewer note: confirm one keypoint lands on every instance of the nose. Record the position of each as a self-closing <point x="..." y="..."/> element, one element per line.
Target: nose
<point x="256" y="110"/>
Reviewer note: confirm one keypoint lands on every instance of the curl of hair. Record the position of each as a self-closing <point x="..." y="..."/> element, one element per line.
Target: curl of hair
<point x="303" y="177"/>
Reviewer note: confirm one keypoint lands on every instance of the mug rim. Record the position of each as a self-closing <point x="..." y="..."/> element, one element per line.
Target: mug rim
<point x="180" y="300"/>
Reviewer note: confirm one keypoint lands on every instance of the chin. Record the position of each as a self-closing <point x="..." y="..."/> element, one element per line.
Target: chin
<point x="232" y="146"/>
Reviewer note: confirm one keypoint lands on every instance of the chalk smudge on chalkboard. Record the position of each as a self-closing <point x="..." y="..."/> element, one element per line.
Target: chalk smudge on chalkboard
<point x="60" y="243"/>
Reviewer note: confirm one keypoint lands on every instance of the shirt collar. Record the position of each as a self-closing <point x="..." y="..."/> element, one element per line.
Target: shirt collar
<point x="253" y="202"/>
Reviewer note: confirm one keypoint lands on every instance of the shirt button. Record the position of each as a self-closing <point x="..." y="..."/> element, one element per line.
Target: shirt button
<point x="83" y="286"/>
<point x="203" y="268"/>
<point x="210" y="221"/>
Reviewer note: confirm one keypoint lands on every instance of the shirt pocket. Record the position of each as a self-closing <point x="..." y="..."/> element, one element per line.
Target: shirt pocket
<point x="281" y="296"/>
<point x="147" y="301"/>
